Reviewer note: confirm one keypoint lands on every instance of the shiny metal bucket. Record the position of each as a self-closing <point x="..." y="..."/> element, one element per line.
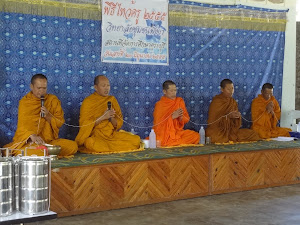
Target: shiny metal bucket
<point x="34" y="185"/>
<point x="6" y="186"/>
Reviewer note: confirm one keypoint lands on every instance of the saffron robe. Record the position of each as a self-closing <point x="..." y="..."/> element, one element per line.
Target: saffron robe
<point x="221" y="128"/>
<point x="103" y="138"/>
<point x="264" y="123"/>
<point x="30" y="122"/>
<point x="170" y="131"/>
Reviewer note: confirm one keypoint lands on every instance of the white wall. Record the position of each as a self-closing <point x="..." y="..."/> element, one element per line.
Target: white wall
<point x="289" y="67"/>
<point x="298" y="10"/>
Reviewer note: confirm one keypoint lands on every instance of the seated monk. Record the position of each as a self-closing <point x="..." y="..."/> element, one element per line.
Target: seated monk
<point x="39" y="119"/>
<point x="265" y="112"/>
<point x="100" y="121"/>
<point x="170" y="116"/>
<point x="224" y="118"/>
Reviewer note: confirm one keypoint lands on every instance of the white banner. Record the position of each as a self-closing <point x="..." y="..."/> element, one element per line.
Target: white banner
<point x="135" y="31"/>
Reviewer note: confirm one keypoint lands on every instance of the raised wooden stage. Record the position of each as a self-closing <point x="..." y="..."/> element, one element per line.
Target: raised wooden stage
<point x="90" y="183"/>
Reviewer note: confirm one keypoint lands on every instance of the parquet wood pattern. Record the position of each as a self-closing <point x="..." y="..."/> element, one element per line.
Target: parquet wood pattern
<point x="93" y="188"/>
<point x="247" y="170"/>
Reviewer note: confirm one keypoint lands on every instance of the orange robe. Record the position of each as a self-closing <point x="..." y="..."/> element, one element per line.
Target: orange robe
<point x="170" y="131"/>
<point x="223" y="129"/>
<point x="264" y="123"/>
<point x="30" y="122"/>
<point x="103" y="138"/>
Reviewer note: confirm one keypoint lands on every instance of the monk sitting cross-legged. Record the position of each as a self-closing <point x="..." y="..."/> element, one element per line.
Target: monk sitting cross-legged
<point x="38" y="123"/>
<point x="265" y="112"/>
<point x="100" y="121"/>
<point x="224" y="118"/>
<point x="170" y="116"/>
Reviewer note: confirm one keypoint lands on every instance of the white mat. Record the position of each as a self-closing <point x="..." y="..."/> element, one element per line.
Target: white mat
<point x="283" y="139"/>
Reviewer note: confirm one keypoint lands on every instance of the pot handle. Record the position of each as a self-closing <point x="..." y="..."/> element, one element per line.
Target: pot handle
<point x="7" y="150"/>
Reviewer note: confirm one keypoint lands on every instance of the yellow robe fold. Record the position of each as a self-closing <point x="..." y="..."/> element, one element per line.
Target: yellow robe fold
<point x="103" y="138"/>
<point x="30" y="122"/>
<point x="264" y="123"/>
<point x="170" y="131"/>
<point x="222" y="129"/>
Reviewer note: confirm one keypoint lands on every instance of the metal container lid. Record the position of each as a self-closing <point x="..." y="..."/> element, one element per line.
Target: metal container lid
<point x="6" y="159"/>
<point x="35" y="158"/>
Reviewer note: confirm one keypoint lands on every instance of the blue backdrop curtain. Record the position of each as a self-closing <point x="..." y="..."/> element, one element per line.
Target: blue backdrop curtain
<point x="207" y="43"/>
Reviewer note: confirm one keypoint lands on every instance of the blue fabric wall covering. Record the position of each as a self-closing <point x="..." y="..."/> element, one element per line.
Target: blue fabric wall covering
<point x="67" y="51"/>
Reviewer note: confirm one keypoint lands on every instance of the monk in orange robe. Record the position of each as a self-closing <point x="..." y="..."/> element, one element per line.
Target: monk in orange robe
<point x="224" y="118"/>
<point x="265" y="112"/>
<point x="38" y="125"/>
<point x="100" y="121"/>
<point x="170" y="116"/>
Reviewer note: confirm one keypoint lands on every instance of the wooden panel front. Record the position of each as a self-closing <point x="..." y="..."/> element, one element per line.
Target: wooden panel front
<point x="97" y="188"/>
<point x="256" y="169"/>
<point x="62" y="190"/>
<point x="249" y="170"/>
<point x="189" y="176"/>
<point x="89" y="189"/>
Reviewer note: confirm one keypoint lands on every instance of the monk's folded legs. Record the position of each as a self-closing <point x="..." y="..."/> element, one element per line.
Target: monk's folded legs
<point x="122" y="141"/>
<point x="68" y="147"/>
<point x="186" y="137"/>
<point x="189" y="137"/>
<point x="247" y="135"/>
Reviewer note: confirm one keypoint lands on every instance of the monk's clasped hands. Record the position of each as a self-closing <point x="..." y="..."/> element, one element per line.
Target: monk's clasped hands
<point x="235" y="115"/>
<point x="177" y="113"/>
<point x="270" y="107"/>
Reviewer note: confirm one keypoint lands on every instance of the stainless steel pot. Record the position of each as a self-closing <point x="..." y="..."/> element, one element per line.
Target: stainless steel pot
<point x="36" y="194"/>
<point x="34" y="185"/>
<point x="31" y="182"/>
<point x="5" y="195"/>
<point x="6" y="186"/>
<point x="34" y="207"/>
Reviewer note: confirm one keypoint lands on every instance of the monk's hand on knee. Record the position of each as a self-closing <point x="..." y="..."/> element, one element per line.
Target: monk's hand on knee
<point x="36" y="139"/>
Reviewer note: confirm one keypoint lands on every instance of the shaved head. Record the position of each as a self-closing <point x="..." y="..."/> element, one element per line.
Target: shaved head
<point x="99" y="78"/>
<point x="167" y="83"/>
<point x="102" y="85"/>
<point x="267" y="91"/>
<point x="37" y="76"/>
<point x="267" y="86"/>
<point x="224" y="82"/>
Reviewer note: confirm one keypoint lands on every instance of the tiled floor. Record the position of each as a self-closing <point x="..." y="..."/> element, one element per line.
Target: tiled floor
<point x="272" y="206"/>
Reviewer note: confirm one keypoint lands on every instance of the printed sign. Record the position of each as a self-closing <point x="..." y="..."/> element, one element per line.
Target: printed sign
<point x="135" y="31"/>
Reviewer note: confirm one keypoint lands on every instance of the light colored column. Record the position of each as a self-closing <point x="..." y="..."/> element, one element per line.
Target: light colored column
<point x="289" y="67"/>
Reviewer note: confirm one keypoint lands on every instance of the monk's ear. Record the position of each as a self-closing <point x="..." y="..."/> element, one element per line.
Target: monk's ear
<point x="164" y="91"/>
<point x="31" y="87"/>
<point x="222" y="89"/>
<point x="95" y="87"/>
